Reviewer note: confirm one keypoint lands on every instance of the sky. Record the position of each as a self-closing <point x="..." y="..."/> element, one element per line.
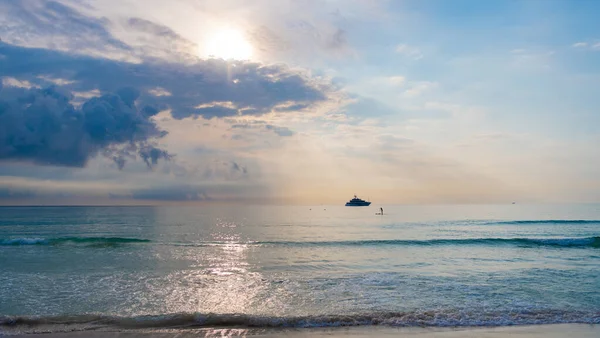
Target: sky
<point x="299" y="102"/>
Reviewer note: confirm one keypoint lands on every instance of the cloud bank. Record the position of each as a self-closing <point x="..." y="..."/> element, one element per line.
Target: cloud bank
<point x="208" y="88"/>
<point x="48" y="125"/>
<point x="42" y="126"/>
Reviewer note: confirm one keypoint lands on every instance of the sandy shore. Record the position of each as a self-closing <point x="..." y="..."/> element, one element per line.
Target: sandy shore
<point x="545" y="331"/>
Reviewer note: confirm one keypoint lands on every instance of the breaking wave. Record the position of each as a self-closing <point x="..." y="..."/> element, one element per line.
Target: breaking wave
<point x="593" y="242"/>
<point x="582" y="242"/>
<point x="548" y="221"/>
<point x="93" y="241"/>
<point x="435" y="318"/>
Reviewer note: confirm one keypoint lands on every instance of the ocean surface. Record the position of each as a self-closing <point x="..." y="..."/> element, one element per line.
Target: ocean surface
<point x="271" y="267"/>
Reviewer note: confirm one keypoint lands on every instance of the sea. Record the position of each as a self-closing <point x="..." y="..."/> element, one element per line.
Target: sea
<point x="253" y="268"/>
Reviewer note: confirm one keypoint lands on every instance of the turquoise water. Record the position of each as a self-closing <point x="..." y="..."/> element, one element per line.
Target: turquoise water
<point x="70" y="268"/>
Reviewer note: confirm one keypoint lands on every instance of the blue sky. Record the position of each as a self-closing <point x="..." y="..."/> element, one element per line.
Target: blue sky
<point x="404" y="101"/>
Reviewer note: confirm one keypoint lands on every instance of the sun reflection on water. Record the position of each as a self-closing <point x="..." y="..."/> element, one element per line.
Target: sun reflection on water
<point x="221" y="280"/>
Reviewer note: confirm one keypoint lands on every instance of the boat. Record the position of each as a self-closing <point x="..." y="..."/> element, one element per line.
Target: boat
<point x="357" y="202"/>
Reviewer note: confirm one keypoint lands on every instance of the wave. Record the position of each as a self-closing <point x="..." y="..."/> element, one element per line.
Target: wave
<point x="434" y="318"/>
<point x="593" y="242"/>
<point x="547" y="221"/>
<point x="583" y="242"/>
<point x="89" y="241"/>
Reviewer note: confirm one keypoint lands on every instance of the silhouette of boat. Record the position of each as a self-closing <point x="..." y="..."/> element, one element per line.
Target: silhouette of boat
<point x="357" y="202"/>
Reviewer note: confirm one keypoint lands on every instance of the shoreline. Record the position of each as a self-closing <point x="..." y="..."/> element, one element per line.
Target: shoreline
<point x="525" y="331"/>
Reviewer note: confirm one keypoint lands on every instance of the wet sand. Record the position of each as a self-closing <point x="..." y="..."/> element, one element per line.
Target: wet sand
<point x="545" y="331"/>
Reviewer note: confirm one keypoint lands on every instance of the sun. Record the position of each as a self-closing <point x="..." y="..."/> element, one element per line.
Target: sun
<point x="228" y="44"/>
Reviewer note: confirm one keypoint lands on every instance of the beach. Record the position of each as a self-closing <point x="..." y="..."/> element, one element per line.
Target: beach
<point x="541" y="331"/>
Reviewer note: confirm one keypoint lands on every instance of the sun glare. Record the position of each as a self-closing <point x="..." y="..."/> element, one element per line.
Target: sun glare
<point x="228" y="44"/>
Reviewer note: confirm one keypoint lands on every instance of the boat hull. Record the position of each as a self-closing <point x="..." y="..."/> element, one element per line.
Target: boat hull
<point x="360" y="204"/>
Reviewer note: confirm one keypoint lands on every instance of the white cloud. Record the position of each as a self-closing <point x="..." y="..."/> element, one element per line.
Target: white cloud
<point x="409" y="51"/>
<point x="87" y="94"/>
<point x="14" y="82"/>
<point x="420" y="87"/>
<point x="593" y="45"/>
<point x="56" y="81"/>
<point x="159" y="91"/>
<point x="397" y="80"/>
<point x="385" y="82"/>
<point x="224" y="104"/>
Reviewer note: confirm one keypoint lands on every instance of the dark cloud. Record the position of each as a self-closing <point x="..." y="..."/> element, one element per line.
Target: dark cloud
<point x="59" y="126"/>
<point x="237" y="167"/>
<point x="38" y="21"/>
<point x="15" y="194"/>
<point x="215" y="111"/>
<point x="224" y="171"/>
<point x="153" y="28"/>
<point x="293" y="107"/>
<point x="199" y="89"/>
<point x="34" y="171"/>
<point x="43" y="127"/>
<point x="152" y="40"/>
<point x="248" y="125"/>
<point x="281" y="131"/>
<point x="261" y="125"/>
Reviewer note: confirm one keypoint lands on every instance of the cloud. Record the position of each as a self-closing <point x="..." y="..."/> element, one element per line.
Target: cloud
<point x="397" y="80"/>
<point x="338" y="40"/>
<point x="223" y="170"/>
<point x="267" y="40"/>
<point x="158" y="91"/>
<point x="261" y="125"/>
<point x="419" y="88"/>
<point x="42" y="126"/>
<point x="409" y="51"/>
<point x="299" y="36"/>
<point x="393" y="142"/>
<point x="151" y="40"/>
<point x="281" y="131"/>
<point x="153" y="29"/>
<point x="32" y="23"/>
<point x="365" y="107"/>
<point x="11" y="81"/>
<point x="12" y="194"/>
<point x="196" y="89"/>
<point x="587" y="45"/>
<point x="168" y="193"/>
<point x="175" y="32"/>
